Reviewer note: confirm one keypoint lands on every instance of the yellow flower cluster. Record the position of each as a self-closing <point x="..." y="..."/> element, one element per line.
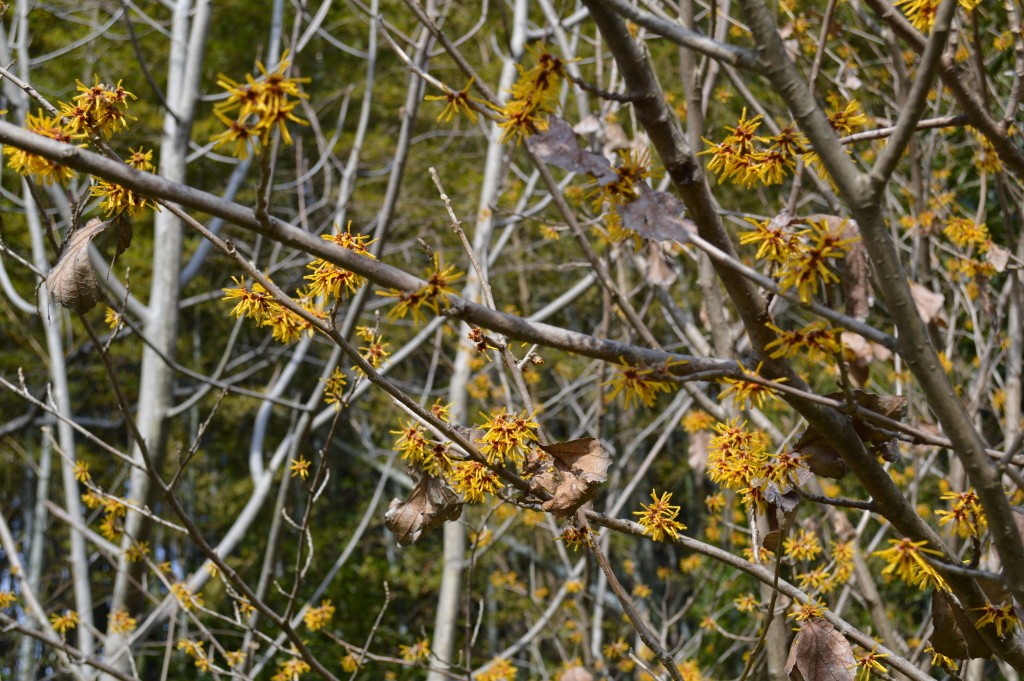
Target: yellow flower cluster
<point x="99" y="109"/>
<point x="416" y="652"/>
<point x="474" y="481"/>
<point x="965" y="232"/>
<point x="636" y="385"/>
<point x="114" y="511"/>
<point x="967" y="515"/>
<point x="317" y="618"/>
<point x="507" y="436"/>
<point x="257" y="108"/>
<point x="500" y="670"/>
<point x="328" y="279"/>
<point x="743" y="391"/>
<point x="433" y="296"/>
<point x="118" y="199"/>
<point x="906" y="562"/>
<point x="534" y="94"/>
<point x="42" y="170"/>
<point x="659" y="517"/>
<point x="921" y="13"/>
<point x="257" y="303"/>
<point x="64" y="621"/>
<point x="802" y="256"/>
<point x="745" y="158"/>
<point x="816" y="342"/>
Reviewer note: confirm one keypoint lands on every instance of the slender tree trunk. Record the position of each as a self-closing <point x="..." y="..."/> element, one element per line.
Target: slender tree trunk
<point x="187" y="50"/>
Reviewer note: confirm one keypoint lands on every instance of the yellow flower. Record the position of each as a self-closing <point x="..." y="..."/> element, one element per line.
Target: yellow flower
<point x="112" y="318"/>
<point x="317" y="618"/>
<point x="42" y="170"/>
<point x="805" y="269"/>
<point x="256" y="302"/>
<point x="234" y="657"/>
<point x="7" y="599"/>
<point x="416" y="652"/>
<point x="500" y="670"/>
<point x="1004" y="618"/>
<point x="474" y="481"/>
<point x="333" y="387"/>
<point x="659" y="517"/>
<point x="64" y="621"/>
<point x="906" y="561"/>
<point x="120" y="622"/>
<point x="635" y="385"/>
<point x="808" y="610"/>
<point x="804" y="546"/>
<point x="300" y="467"/>
<point x="868" y="663"/>
<point x="81" y="470"/>
<point x="748" y="391"/>
<point x="507" y="436"/>
<point x="457" y="102"/>
<point x="186" y="598"/>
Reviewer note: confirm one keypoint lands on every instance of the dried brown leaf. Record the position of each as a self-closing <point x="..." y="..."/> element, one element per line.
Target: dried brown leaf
<point x="860" y="354"/>
<point x="819" y="456"/>
<point x="954" y="636"/>
<point x="72" y="281"/>
<point x="577" y="674"/>
<point x="659" y="271"/>
<point x="654" y="215"/>
<point x="558" y="146"/>
<point x="430" y="504"/>
<point x="820" y="653"/>
<point x="581" y="465"/>
<point x="998" y="257"/>
<point x="697" y="451"/>
<point x="1018" y="518"/>
<point x="928" y="302"/>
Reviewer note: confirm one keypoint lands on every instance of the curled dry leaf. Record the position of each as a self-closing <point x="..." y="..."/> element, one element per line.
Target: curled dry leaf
<point x="576" y="674"/>
<point x="954" y="635"/>
<point x="72" y="281"/>
<point x="581" y="465"/>
<point x="558" y="146"/>
<point x="824" y="460"/>
<point x="430" y="504"/>
<point x="659" y="272"/>
<point x="1018" y="518"/>
<point x="820" y="653"/>
<point x="997" y="256"/>
<point x="928" y="302"/>
<point x="819" y="456"/>
<point x="860" y="354"/>
<point x="697" y="451"/>
<point x="654" y="215"/>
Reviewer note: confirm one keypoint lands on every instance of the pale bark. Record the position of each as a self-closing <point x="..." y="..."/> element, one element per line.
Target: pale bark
<point x="187" y="51"/>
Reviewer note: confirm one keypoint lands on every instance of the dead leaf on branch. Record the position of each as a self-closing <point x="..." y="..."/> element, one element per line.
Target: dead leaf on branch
<point x="998" y="257"/>
<point x="954" y="635"/>
<point x="929" y="303"/>
<point x="819" y="456"/>
<point x="558" y="146"/>
<point x="72" y="281"/>
<point x="576" y="674"/>
<point x="430" y="504"/>
<point x="820" y="653"/>
<point x="823" y="459"/>
<point x="581" y="466"/>
<point x="860" y="354"/>
<point x="659" y="270"/>
<point x="654" y="215"/>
